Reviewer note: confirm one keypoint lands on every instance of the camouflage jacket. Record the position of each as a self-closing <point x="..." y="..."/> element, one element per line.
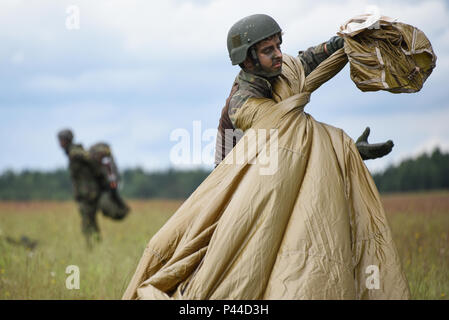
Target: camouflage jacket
<point x="86" y="179"/>
<point x="247" y="85"/>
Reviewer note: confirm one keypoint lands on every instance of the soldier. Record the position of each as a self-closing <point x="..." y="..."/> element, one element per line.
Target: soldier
<point x="254" y="43"/>
<point x="94" y="186"/>
<point x="85" y="185"/>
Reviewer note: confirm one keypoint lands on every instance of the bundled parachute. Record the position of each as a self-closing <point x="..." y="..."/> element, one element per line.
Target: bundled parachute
<point x="313" y="226"/>
<point x="387" y="55"/>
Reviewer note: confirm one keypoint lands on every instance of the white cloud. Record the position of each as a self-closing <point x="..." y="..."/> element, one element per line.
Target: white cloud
<point x="18" y="57"/>
<point x="161" y="29"/>
<point x="124" y="47"/>
<point x="135" y="135"/>
<point x="109" y="79"/>
<point x="430" y="145"/>
<point x="411" y="132"/>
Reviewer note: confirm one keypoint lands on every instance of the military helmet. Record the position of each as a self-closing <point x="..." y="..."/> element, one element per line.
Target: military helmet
<point x="247" y="32"/>
<point x="66" y="135"/>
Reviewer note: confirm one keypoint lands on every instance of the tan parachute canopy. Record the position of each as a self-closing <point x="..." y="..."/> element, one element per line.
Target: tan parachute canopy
<point x="291" y="213"/>
<point x="387" y="55"/>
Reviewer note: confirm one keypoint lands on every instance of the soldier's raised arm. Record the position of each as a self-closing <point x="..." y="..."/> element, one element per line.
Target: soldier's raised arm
<point x="310" y="59"/>
<point x="313" y="56"/>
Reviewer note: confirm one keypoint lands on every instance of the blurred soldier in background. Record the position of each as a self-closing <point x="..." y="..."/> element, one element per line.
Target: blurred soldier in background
<point x="95" y="179"/>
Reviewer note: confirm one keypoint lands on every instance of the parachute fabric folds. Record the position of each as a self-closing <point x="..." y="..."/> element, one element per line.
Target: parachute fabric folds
<point x="391" y="56"/>
<point x="311" y="226"/>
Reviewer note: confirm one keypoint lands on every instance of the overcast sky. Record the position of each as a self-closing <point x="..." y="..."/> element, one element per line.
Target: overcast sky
<point x="135" y="71"/>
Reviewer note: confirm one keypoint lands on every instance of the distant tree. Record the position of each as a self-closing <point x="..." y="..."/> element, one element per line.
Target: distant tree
<point x="35" y="185"/>
<point x="56" y="185"/>
<point x="175" y="184"/>
<point x="426" y="172"/>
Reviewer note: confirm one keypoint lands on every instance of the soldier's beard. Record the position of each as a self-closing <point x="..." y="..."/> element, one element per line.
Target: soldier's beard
<point x="266" y="73"/>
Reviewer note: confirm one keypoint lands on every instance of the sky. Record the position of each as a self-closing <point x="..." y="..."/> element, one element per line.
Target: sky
<point x="135" y="73"/>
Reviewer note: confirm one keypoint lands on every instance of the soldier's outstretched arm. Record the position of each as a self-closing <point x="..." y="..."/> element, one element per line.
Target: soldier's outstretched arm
<point x="372" y="150"/>
<point x="313" y="56"/>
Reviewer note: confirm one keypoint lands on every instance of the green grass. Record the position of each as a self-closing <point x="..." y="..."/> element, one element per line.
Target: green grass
<point x="104" y="272"/>
<point x="420" y="225"/>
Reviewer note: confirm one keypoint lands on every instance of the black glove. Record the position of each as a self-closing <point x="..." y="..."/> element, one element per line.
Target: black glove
<point x="372" y="151"/>
<point x="334" y="44"/>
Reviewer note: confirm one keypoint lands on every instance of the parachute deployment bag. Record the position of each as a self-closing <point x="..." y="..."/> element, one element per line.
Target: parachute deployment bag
<point x="389" y="55"/>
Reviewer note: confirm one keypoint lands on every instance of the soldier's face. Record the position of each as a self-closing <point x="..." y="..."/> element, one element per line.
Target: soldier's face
<point x="62" y="143"/>
<point x="270" y="55"/>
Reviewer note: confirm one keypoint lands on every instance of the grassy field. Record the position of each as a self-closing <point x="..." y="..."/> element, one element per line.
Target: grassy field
<point x="420" y="224"/>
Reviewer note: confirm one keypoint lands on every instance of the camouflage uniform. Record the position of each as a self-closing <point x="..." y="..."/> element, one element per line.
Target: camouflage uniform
<point x="95" y="178"/>
<point x="86" y="189"/>
<point x="247" y="85"/>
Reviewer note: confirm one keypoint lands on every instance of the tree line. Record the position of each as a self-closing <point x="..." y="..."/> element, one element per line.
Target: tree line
<point x="135" y="183"/>
<point x="426" y="172"/>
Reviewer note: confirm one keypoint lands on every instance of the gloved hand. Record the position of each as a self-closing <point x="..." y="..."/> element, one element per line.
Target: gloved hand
<point x="334" y="44"/>
<point x="372" y="151"/>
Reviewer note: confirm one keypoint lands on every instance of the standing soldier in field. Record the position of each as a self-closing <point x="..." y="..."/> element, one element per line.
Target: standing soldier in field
<point x="254" y="43"/>
<point x="94" y="178"/>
